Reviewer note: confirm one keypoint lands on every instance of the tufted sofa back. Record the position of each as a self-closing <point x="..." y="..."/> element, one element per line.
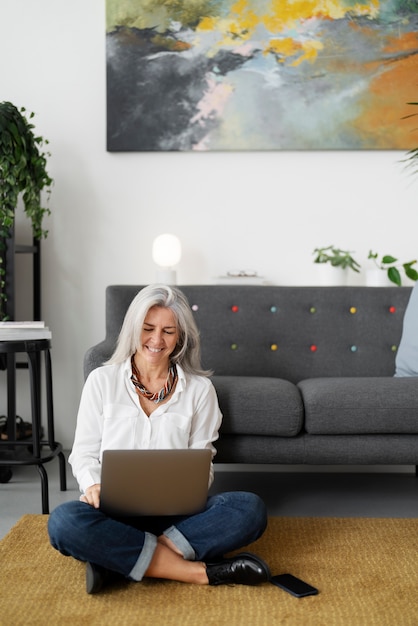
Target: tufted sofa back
<point x="286" y="332"/>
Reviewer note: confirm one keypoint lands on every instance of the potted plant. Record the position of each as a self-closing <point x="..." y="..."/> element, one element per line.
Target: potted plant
<point x="336" y="257"/>
<point x="23" y="174"/>
<point x="332" y="257"/>
<point x="388" y="264"/>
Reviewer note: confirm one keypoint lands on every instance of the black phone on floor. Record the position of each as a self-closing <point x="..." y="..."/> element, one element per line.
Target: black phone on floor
<point x="293" y="585"/>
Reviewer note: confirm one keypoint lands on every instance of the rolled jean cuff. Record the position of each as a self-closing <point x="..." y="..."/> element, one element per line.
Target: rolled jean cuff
<point x="180" y="542"/>
<point x="138" y="571"/>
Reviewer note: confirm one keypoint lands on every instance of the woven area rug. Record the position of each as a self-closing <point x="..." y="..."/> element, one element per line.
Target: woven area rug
<point x="366" y="571"/>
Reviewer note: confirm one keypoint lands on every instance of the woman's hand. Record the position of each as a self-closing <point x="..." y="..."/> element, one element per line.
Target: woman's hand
<point x="92" y="496"/>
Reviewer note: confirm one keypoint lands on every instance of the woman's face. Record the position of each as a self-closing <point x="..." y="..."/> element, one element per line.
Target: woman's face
<point x="159" y="335"/>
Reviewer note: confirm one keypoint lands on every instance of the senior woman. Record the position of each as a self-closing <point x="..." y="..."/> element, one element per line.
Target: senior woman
<point x="155" y="375"/>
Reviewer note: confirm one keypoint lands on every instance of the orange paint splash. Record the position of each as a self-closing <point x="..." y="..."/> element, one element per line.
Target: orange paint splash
<point x="387" y="99"/>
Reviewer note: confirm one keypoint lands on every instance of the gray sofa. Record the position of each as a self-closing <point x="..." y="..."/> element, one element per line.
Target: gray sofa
<point x="304" y="375"/>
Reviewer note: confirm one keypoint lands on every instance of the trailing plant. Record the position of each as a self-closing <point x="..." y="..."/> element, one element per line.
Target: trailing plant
<point x="336" y="257"/>
<point x="22" y="170"/>
<point x="22" y="173"/>
<point x="388" y="264"/>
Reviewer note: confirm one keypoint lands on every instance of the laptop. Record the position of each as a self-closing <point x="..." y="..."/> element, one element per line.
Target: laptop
<point x="154" y="482"/>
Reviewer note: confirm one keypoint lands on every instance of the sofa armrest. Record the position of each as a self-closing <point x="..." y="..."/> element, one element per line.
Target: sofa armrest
<point x="97" y="355"/>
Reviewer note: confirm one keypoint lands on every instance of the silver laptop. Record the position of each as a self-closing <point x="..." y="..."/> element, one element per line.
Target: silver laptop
<point x="154" y="482"/>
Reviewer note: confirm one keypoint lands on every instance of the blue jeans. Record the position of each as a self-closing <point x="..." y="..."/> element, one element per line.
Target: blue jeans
<point x="126" y="545"/>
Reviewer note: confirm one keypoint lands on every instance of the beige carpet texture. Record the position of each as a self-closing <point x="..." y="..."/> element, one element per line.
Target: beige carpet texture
<point x="366" y="571"/>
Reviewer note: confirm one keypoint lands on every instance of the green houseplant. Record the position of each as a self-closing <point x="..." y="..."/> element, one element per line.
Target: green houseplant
<point x="388" y="263"/>
<point x="336" y="257"/>
<point x="23" y="174"/>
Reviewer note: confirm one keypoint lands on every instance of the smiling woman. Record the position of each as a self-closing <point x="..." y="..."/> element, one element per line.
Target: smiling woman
<point x="159" y="346"/>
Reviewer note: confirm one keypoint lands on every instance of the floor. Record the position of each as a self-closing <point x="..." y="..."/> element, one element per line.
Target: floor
<point x="292" y="492"/>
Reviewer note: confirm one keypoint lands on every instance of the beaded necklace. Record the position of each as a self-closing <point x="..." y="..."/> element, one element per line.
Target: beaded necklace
<point x="158" y="396"/>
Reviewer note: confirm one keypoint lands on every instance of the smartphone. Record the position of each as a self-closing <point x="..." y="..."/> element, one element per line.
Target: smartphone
<point x="293" y="585"/>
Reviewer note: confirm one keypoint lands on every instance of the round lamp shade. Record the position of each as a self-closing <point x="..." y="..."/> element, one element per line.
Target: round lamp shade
<point x="166" y="250"/>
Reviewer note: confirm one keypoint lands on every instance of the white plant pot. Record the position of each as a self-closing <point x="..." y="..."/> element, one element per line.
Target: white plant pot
<point x="329" y="276"/>
<point x="377" y="278"/>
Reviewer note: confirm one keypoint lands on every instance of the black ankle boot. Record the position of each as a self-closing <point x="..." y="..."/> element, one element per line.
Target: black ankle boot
<point x="242" y="569"/>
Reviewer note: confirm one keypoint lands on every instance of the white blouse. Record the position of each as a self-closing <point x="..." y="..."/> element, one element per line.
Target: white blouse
<point x="110" y="417"/>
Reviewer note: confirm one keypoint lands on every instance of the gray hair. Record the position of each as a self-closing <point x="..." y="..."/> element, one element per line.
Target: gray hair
<point x="187" y="350"/>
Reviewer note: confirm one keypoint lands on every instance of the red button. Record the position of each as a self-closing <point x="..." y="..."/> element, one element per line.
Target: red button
<point x="234" y="309"/>
<point x="313" y="348"/>
<point x="392" y="309"/>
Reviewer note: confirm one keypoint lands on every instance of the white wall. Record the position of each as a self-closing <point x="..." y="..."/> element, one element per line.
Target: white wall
<point x="264" y="211"/>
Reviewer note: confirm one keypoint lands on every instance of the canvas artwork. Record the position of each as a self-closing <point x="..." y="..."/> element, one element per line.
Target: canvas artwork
<point x="196" y="75"/>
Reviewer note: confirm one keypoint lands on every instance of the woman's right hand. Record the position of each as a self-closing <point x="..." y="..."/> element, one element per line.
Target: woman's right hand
<point x="92" y="496"/>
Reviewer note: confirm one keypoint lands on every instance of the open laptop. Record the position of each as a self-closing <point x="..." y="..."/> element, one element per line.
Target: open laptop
<point x="154" y="482"/>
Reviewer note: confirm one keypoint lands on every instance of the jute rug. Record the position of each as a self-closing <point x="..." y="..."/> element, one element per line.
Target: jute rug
<point x="366" y="571"/>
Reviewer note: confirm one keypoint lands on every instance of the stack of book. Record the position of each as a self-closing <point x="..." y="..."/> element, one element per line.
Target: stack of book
<point x="22" y="331"/>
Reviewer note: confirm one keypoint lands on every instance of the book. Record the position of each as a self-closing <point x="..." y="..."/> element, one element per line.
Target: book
<point x="28" y="324"/>
<point x="24" y="334"/>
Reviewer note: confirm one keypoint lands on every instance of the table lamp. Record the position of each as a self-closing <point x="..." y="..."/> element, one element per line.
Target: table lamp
<point x="166" y="252"/>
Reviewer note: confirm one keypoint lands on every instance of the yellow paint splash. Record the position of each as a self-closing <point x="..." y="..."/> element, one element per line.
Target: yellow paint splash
<point x="280" y="17"/>
<point x="287" y="47"/>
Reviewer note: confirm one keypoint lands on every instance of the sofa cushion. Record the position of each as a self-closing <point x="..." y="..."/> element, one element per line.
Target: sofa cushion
<point x="407" y="354"/>
<point x="347" y="406"/>
<point x="253" y="405"/>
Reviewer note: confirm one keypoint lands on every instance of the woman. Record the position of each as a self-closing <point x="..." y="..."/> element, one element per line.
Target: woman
<point x="152" y="393"/>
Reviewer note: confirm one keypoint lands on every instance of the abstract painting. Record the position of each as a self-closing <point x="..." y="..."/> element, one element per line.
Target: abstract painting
<point x="217" y="75"/>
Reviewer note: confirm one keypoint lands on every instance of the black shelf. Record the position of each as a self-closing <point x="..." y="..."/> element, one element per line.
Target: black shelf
<point x="11" y="248"/>
<point x="7" y="254"/>
<point x="26" y="249"/>
<point x="9" y="363"/>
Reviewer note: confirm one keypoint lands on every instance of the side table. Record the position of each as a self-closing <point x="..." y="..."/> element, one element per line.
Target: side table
<point x="34" y="450"/>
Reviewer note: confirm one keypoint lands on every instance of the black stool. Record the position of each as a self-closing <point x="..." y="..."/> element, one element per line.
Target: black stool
<point x="30" y="450"/>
